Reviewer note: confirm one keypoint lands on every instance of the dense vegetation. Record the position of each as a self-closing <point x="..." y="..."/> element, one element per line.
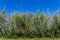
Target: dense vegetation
<point x="29" y="25"/>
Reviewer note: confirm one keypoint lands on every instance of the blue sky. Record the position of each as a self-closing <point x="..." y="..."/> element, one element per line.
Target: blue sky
<point x="29" y="5"/>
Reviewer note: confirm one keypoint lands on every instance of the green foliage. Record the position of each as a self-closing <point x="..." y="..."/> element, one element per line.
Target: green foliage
<point x="30" y="26"/>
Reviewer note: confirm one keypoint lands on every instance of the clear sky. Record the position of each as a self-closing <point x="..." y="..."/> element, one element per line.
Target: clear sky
<point x="29" y="5"/>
